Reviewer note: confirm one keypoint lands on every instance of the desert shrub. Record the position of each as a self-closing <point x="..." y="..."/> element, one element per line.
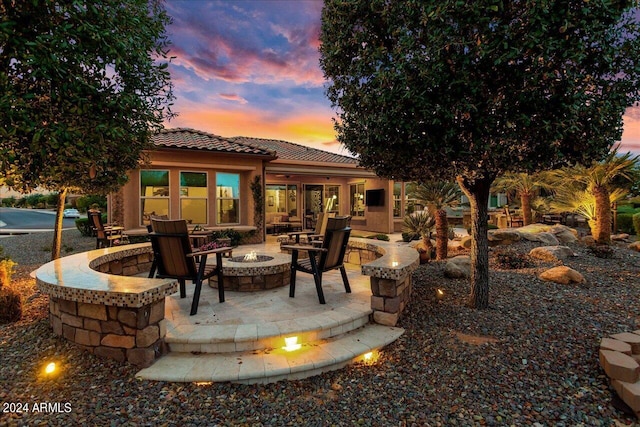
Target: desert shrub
<point x="9" y="201"/>
<point x="407" y="237"/>
<point x="636" y="223"/>
<point x="379" y="236"/>
<point x="235" y="236"/>
<point x="84" y="226"/>
<point x="85" y="202"/>
<point x="625" y="223"/>
<point x="10" y="299"/>
<point x="10" y="305"/>
<point x="601" y="251"/>
<point x="508" y="259"/>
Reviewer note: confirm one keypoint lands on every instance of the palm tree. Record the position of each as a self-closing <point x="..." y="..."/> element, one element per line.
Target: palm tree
<point x="581" y="202"/>
<point x="526" y="186"/>
<point x="437" y="196"/>
<point x="602" y="179"/>
<point x="420" y="223"/>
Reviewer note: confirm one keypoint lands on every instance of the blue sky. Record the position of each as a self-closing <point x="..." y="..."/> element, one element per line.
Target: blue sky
<point x="250" y="68"/>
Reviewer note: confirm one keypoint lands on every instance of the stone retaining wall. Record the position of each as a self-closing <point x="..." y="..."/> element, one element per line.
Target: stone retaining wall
<point x="389" y="267"/>
<point x="620" y="360"/>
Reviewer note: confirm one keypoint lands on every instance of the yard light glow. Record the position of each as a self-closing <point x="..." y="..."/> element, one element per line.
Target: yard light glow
<point x="50" y="368"/>
<point x="368" y="356"/>
<point x="203" y="383"/>
<point x="291" y="344"/>
<point x="439" y="294"/>
<point x="394" y="263"/>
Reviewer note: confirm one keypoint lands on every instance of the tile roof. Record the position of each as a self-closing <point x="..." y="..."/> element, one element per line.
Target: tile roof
<point x="198" y="140"/>
<point x="290" y="151"/>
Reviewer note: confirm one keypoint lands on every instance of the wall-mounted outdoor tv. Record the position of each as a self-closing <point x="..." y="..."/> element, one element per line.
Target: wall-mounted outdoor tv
<point x="374" y="197"/>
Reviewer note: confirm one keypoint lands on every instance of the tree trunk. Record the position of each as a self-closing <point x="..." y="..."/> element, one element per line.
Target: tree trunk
<point x="525" y="202"/>
<point x="442" y="234"/>
<point x="478" y="195"/>
<point x="57" y="230"/>
<point x="603" y="215"/>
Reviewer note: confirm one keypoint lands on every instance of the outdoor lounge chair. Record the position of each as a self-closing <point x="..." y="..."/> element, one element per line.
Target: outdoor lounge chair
<point x="330" y="256"/>
<point x="106" y="234"/>
<point x="174" y="258"/>
<point x="513" y="221"/>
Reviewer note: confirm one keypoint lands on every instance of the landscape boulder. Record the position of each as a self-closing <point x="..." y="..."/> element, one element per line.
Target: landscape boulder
<point x="564" y="234"/>
<point x="551" y="253"/>
<point x="503" y="237"/>
<point x="589" y="240"/>
<point x="635" y="246"/>
<point x="562" y="275"/>
<point x="465" y="242"/>
<point x="542" y="237"/>
<point x="619" y="237"/>
<point x="458" y="267"/>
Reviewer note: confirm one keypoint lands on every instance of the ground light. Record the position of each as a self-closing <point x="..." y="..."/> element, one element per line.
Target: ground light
<point x="291" y="344"/>
<point x="369" y="358"/>
<point x="439" y="294"/>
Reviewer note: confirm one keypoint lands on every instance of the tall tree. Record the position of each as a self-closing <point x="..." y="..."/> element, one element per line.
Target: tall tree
<point x="448" y="89"/>
<point x="437" y="196"/>
<point x="83" y="86"/>
<point x="525" y="185"/>
<point x="597" y="186"/>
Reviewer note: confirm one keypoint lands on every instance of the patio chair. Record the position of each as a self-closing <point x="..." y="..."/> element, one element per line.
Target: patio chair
<point x="513" y="221"/>
<point x="330" y="256"/>
<point x="106" y="234"/>
<point x="313" y="236"/>
<point x="174" y="258"/>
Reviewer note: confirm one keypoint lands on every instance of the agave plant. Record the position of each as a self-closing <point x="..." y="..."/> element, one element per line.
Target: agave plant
<point x="420" y="224"/>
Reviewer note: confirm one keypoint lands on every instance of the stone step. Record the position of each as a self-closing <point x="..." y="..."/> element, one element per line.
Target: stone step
<point x="629" y="393"/>
<point x="273" y="364"/>
<point x="207" y="338"/>
<point x="630" y="338"/>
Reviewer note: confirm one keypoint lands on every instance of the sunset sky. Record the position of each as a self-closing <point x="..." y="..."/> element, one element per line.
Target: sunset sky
<point x="250" y="68"/>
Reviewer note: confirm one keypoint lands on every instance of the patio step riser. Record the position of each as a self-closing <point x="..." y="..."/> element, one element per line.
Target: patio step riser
<point x="268" y="366"/>
<point x="239" y="343"/>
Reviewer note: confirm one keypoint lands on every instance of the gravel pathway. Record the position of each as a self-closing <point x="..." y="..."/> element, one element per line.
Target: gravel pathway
<point x="531" y="359"/>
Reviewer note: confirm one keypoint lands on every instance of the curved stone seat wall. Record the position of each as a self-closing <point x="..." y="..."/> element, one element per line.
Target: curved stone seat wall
<point x="389" y="267"/>
<point x="96" y="302"/>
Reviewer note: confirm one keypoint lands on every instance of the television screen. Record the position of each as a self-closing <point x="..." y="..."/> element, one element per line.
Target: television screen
<point x="374" y="197"/>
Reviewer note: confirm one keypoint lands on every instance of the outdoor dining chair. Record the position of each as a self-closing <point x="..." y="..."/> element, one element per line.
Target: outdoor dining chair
<point x="329" y="256"/>
<point x="106" y="234"/>
<point x="174" y="258"/>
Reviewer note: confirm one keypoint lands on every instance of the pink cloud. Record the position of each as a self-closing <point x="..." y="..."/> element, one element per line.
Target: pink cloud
<point x="233" y="97"/>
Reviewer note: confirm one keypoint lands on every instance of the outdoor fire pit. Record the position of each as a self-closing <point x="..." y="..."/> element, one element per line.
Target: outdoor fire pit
<point x="254" y="272"/>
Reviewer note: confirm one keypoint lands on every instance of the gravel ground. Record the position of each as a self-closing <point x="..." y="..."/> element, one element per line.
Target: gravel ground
<point x="535" y="364"/>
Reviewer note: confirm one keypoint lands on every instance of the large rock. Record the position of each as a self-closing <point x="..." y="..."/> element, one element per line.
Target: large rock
<point x="551" y="253"/>
<point x="502" y="237"/>
<point x="458" y="267"/>
<point x="619" y="237"/>
<point x="465" y="242"/>
<point x="589" y="240"/>
<point x="564" y="234"/>
<point x="542" y="237"/>
<point x="563" y="275"/>
<point x="635" y="246"/>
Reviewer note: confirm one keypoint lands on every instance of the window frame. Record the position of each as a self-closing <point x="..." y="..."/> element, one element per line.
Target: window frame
<point x="205" y="198"/>
<point x="142" y="197"/>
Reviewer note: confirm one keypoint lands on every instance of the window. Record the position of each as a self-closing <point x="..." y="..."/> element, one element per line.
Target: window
<point x="397" y="199"/>
<point x="228" y="197"/>
<point x="356" y="197"/>
<point x="154" y="194"/>
<point x="193" y="197"/>
<point x="411" y="205"/>
<point x="282" y="199"/>
<point x="332" y="200"/>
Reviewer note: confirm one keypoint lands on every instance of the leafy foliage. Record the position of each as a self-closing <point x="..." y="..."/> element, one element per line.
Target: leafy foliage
<point x="83" y="85"/>
<point x="470" y="90"/>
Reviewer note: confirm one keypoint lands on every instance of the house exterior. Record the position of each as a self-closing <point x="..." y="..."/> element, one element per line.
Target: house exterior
<point x="206" y="179"/>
